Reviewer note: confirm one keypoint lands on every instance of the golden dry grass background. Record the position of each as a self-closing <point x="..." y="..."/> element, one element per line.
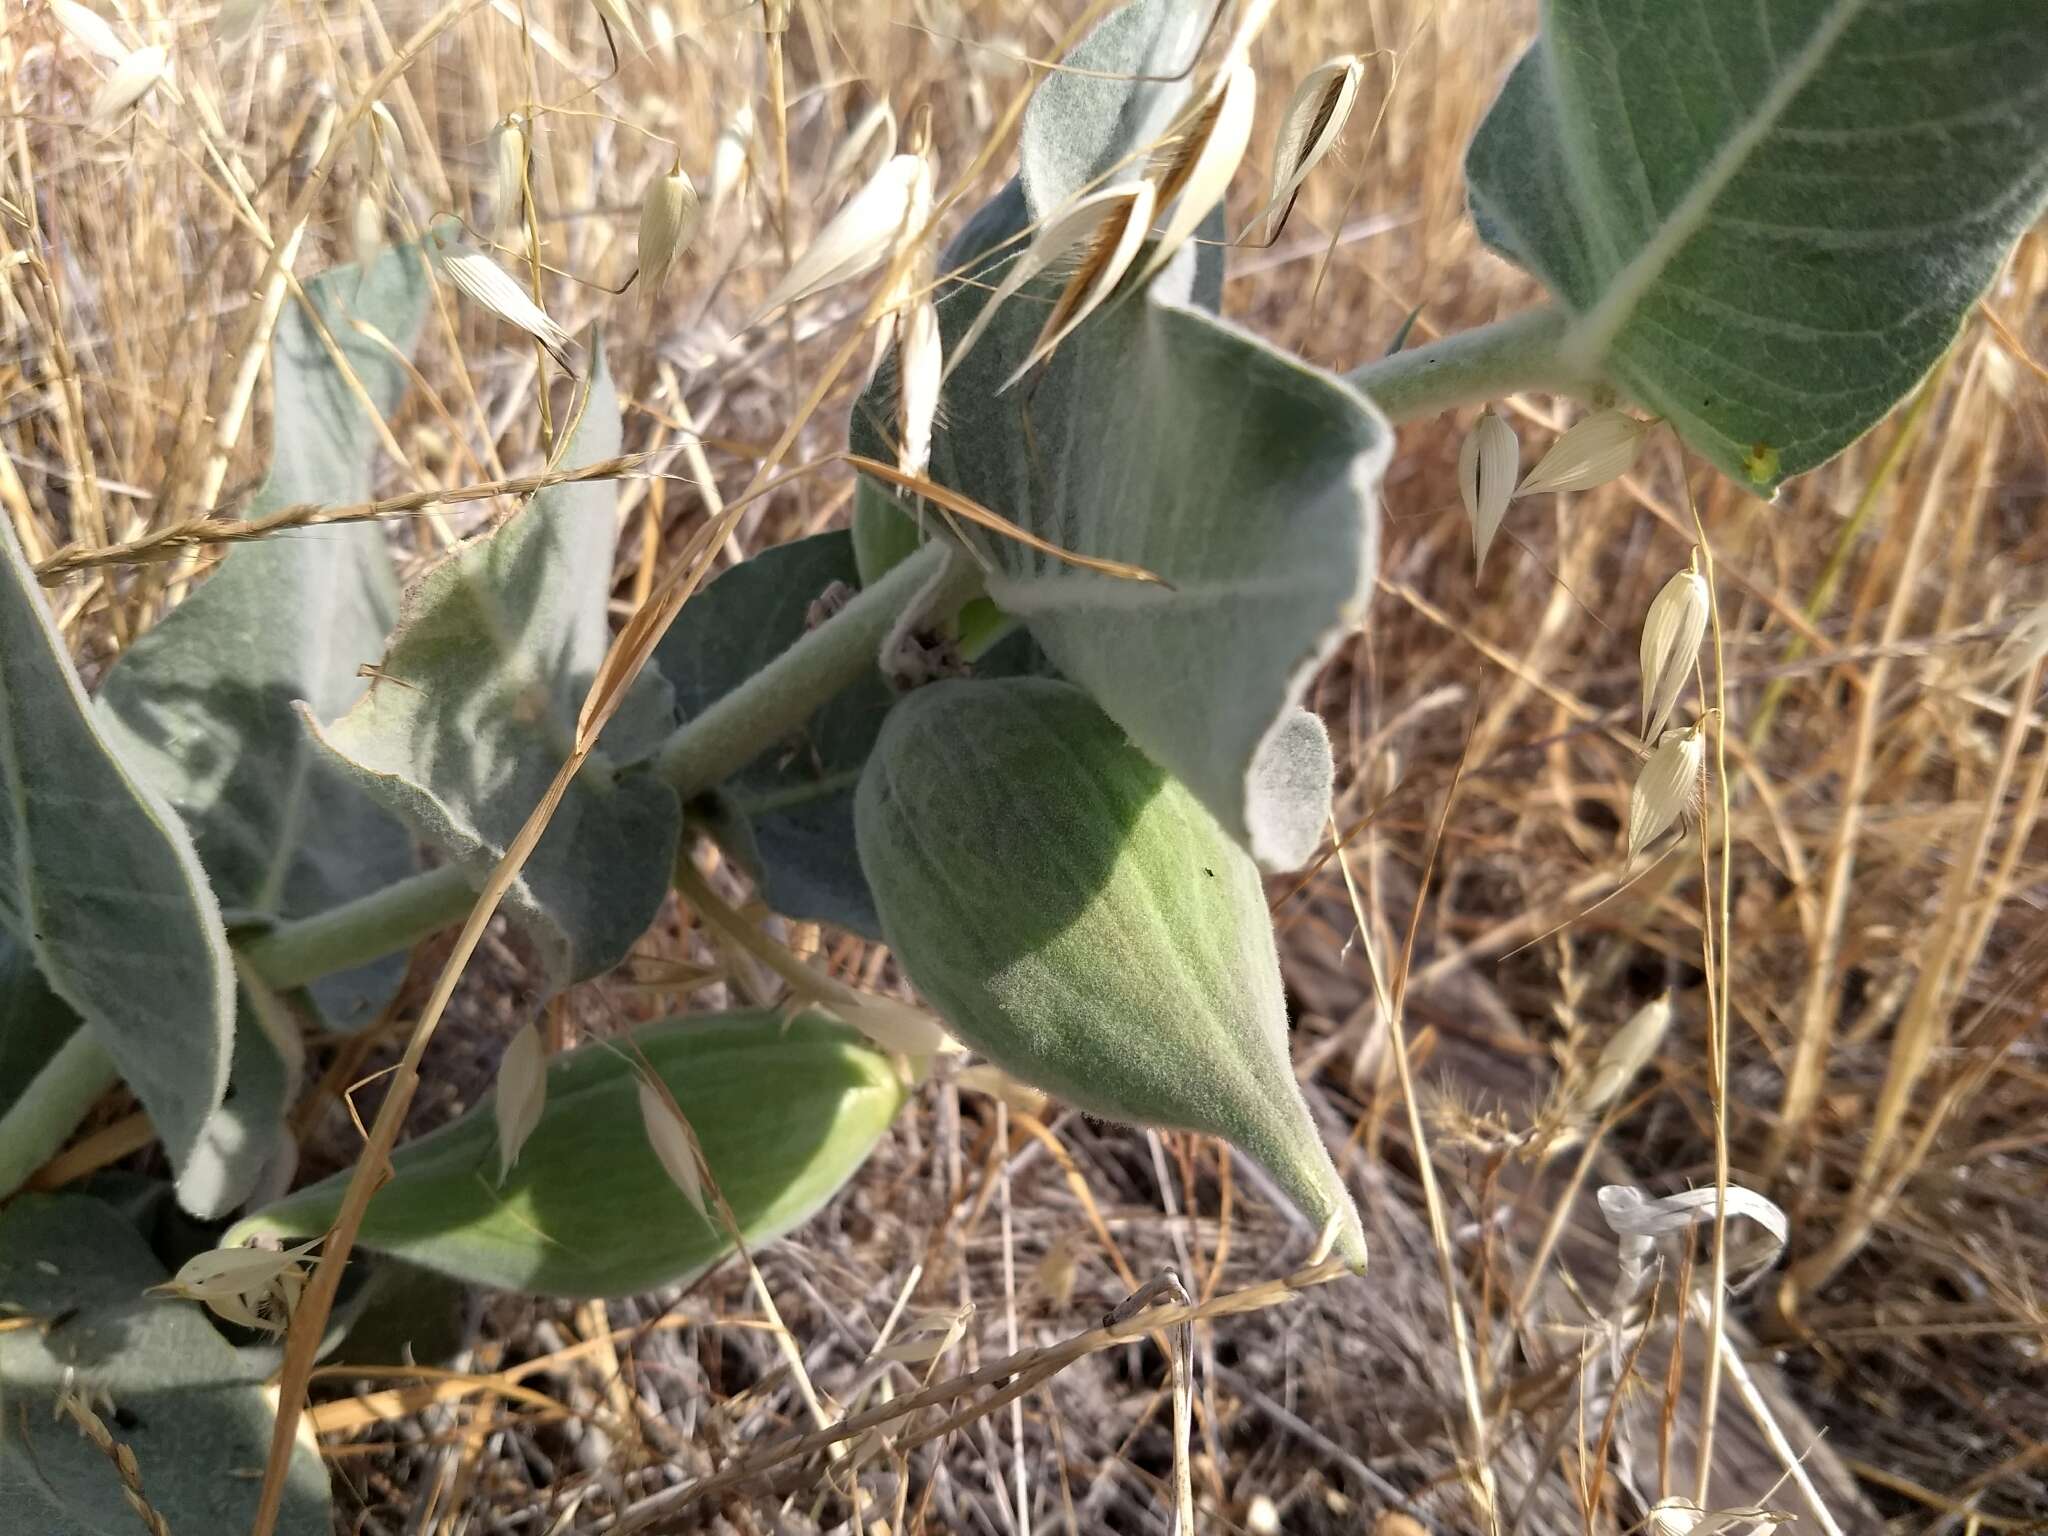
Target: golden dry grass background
<point x="1887" y="782"/>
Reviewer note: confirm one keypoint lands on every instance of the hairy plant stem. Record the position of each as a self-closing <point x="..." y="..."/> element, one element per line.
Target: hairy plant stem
<point x="1523" y="351"/>
<point x="732" y="732"/>
<point x="356" y="932"/>
<point x="782" y="695"/>
<point x="50" y="1107"/>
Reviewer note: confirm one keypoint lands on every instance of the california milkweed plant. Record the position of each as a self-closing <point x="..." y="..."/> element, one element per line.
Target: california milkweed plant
<point x="1044" y="695"/>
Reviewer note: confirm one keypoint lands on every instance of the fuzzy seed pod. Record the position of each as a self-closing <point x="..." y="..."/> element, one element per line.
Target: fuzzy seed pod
<point x="1488" y="461"/>
<point x="1081" y="921"/>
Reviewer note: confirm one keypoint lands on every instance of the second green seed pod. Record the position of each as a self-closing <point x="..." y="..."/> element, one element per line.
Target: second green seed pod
<point x="1080" y="919"/>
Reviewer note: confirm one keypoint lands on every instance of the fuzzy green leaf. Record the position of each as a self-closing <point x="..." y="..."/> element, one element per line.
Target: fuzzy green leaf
<point x="476" y="711"/>
<point x="203" y="705"/>
<point x="191" y="1410"/>
<point x="1768" y="220"/>
<point x="98" y="880"/>
<point x="788" y="815"/>
<point x="1164" y="437"/>
<point x="784" y="1113"/>
<point x="34" y="1022"/>
<point x="1097" y="119"/>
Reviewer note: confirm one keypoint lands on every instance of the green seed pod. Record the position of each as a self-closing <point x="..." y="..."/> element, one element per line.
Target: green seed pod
<point x="1081" y="920"/>
<point x="783" y="1112"/>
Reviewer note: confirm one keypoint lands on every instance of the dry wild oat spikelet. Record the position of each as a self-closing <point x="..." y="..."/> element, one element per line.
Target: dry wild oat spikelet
<point x="1488" y="461"/>
<point x="133" y="78"/>
<point x="729" y="155"/>
<point x="669" y="216"/>
<point x="1116" y="243"/>
<point x="1667" y="788"/>
<point x="1672" y="632"/>
<point x="858" y="237"/>
<point x="920" y="368"/>
<point x="366" y="228"/>
<point x="522" y="1093"/>
<point x="379" y="146"/>
<point x="1313" y="123"/>
<point x="1103" y="225"/>
<point x="674" y="1144"/>
<point x="1205" y="156"/>
<point x="510" y="148"/>
<point x="877" y="123"/>
<point x="492" y="288"/>
<point x="89" y="30"/>
<point x="1603" y="447"/>
<point x="254" y="1287"/>
<point x="1623" y="1057"/>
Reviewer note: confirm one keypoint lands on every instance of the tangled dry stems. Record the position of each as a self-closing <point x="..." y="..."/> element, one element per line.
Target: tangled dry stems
<point x="1886" y="786"/>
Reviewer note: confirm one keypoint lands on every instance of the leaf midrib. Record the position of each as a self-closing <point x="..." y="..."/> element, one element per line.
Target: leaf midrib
<point x="1589" y="339"/>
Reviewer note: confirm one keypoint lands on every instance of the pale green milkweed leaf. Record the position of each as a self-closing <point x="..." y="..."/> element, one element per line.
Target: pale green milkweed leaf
<point x="783" y="1112"/>
<point x="1098" y="117"/>
<point x="1767" y="220"/>
<point x="203" y="704"/>
<point x="34" y="1022"/>
<point x="186" y="1403"/>
<point x="476" y="707"/>
<point x="1163" y="437"/>
<point x="99" y="881"/>
<point x="246" y="1149"/>
<point x="788" y="815"/>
